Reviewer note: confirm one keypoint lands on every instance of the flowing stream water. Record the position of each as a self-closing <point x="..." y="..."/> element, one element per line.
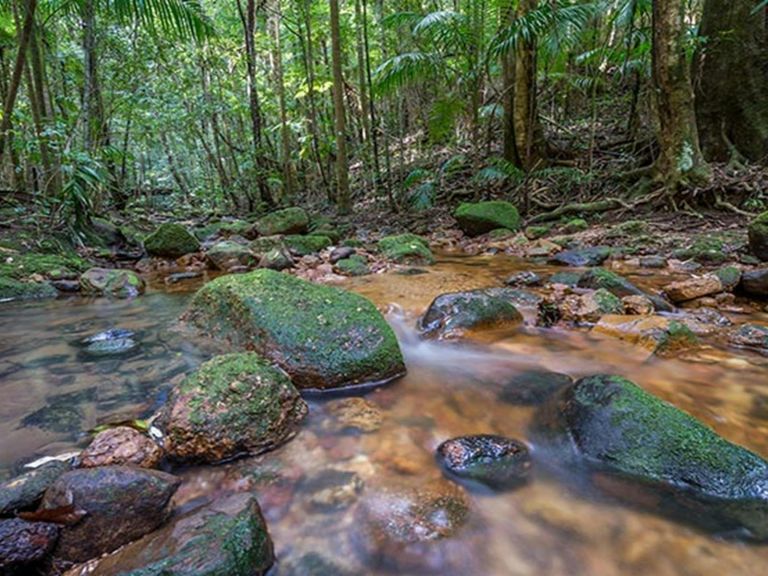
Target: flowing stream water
<point x="556" y="524"/>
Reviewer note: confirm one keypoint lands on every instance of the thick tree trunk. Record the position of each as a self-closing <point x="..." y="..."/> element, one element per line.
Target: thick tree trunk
<point x="732" y="81"/>
<point x="13" y="87"/>
<point x="93" y="108"/>
<point x="342" y="177"/>
<point x="680" y="160"/>
<point x="508" y="91"/>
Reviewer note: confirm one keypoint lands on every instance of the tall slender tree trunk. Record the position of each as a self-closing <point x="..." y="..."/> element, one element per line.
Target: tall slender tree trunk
<point x="372" y="106"/>
<point x="732" y="80"/>
<point x="93" y="108"/>
<point x="13" y="87"/>
<point x="342" y="177"/>
<point x="508" y="92"/>
<point x="289" y="179"/>
<point x="527" y="129"/>
<point x="680" y="160"/>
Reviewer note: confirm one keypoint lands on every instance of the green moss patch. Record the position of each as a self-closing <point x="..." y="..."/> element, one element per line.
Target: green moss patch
<point x="481" y="217"/>
<point x="406" y="249"/>
<point x="171" y="241"/>
<point x="306" y="245"/>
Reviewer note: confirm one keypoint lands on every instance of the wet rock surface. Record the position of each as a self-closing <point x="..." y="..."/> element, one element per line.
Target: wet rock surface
<point x="234" y="405"/>
<point x="118" y="504"/>
<point x="753" y="336"/>
<point x="353" y="415"/>
<point x="755" y="282"/>
<point x="332" y="489"/>
<point x="592" y="256"/>
<point x="121" y="446"/>
<point x="495" y="461"/>
<point x="692" y="288"/>
<point x="533" y="387"/>
<point x="323" y="337"/>
<point x="114" y="342"/>
<point x="26" y="490"/>
<point x="109" y="282"/>
<point x="613" y="426"/>
<point x="227" y="537"/>
<point x="25" y="545"/>
<point x="452" y="315"/>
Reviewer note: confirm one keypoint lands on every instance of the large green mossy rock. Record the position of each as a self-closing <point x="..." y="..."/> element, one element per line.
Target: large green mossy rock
<point x="456" y="313"/>
<point x="758" y="236"/>
<point x="406" y="249"/>
<point x="233" y="405"/>
<point x="306" y="245"/>
<point x="323" y="337"/>
<point x="286" y="221"/>
<point x="227" y="537"/>
<point x="171" y="241"/>
<point x="616" y="428"/>
<point x="481" y="217"/>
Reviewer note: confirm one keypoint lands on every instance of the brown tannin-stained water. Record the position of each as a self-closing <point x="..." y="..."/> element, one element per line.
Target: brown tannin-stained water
<point x="341" y="492"/>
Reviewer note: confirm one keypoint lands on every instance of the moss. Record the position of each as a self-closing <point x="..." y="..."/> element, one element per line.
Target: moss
<point x="355" y="265"/>
<point x="538" y="231"/>
<point x="353" y="243"/>
<point x="758" y="236"/>
<point x="628" y="228"/>
<point x="622" y="426"/>
<point x="730" y="276"/>
<point x="19" y="266"/>
<point x="453" y="313"/>
<point x="500" y="233"/>
<point x="607" y="302"/>
<point x="566" y="278"/>
<point x="575" y="225"/>
<point x="406" y="248"/>
<point x="265" y="244"/>
<point x="286" y="221"/>
<point x="305" y="245"/>
<point x="481" y="217"/>
<point x="11" y="289"/>
<point x="676" y="338"/>
<point x="171" y="241"/>
<point x="324" y="337"/>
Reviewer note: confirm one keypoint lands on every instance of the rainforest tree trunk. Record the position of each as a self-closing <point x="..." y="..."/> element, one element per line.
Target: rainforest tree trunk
<point x="732" y="81"/>
<point x="342" y="177"/>
<point x="680" y="160"/>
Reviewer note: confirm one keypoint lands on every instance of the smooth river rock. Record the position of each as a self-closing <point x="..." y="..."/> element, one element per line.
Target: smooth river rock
<point x="24" y="545"/>
<point x="453" y="314"/>
<point x="660" y="454"/>
<point x="118" y="504"/>
<point x="755" y="283"/>
<point x="323" y="337"/>
<point x="494" y="461"/>
<point x="119" y="446"/>
<point x="233" y="405"/>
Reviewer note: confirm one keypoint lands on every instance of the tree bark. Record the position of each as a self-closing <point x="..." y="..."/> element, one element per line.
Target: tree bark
<point x="13" y="87"/>
<point x="732" y="81"/>
<point x="680" y="160"/>
<point x="342" y="177"/>
<point x="285" y="135"/>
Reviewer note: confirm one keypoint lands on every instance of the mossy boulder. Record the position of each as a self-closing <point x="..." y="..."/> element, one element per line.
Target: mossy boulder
<point x="354" y="265"/>
<point x="233" y="405"/>
<point x="535" y="232"/>
<point x="287" y="221"/>
<point x="226" y="254"/>
<point x="600" y="278"/>
<point x="591" y="256"/>
<point x="11" y="289"/>
<point x="323" y="337"/>
<point x="171" y="240"/>
<point x="729" y="276"/>
<point x="456" y="313"/>
<point x="306" y="245"/>
<point x="575" y="225"/>
<point x="481" y="217"/>
<point x="112" y="282"/>
<point x="615" y="428"/>
<point x="264" y="244"/>
<point x="406" y="249"/>
<point x="278" y="258"/>
<point x="758" y="236"/>
<point x="228" y="536"/>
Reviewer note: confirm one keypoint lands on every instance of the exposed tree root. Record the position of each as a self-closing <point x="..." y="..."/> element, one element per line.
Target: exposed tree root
<point x="582" y="207"/>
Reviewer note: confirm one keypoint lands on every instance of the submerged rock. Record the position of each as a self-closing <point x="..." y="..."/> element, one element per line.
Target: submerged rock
<point x="592" y="256"/>
<point x="533" y="386"/>
<point x="27" y="490"/>
<point x="409" y="529"/>
<point x="406" y="249"/>
<point x="353" y="414"/>
<point x="171" y="240"/>
<point x="753" y="336"/>
<point x="451" y="315"/>
<point x="614" y="427"/>
<point x="758" y="236"/>
<point x="332" y="489"/>
<point x="481" y="217"/>
<point x="226" y="254"/>
<point x="24" y="545"/>
<point x="114" y="342"/>
<point x="323" y="337"/>
<point x="121" y="446"/>
<point x="495" y="461"/>
<point x="118" y="504"/>
<point x="590" y="307"/>
<point x="227" y="537"/>
<point x="233" y="405"/>
<point x="112" y="282"/>
<point x="657" y="334"/>
<point x="692" y="288"/>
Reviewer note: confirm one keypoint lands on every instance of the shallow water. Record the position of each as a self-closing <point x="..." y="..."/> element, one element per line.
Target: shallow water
<point x="556" y="524"/>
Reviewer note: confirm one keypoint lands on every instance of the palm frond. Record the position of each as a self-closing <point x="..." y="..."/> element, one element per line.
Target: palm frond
<point x="406" y="68"/>
<point x="181" y="18"/>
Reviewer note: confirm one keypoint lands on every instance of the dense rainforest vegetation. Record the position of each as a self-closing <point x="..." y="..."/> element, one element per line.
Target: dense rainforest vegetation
<point x="242" y="106"/>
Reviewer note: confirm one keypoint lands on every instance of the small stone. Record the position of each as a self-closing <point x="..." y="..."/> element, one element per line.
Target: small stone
<point x="592" y="256"/>
<point x="753" y="336"/>
<point x="66" y="286"/>
<point x="693" y="288"/>
<point x="494" y="461"/>
<point x="527" y="278"/>
<point x="639" y="305"/>
<point x="24" y="544"/>
<point x="119" y="446"/>
<point x="341" y="253"/>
